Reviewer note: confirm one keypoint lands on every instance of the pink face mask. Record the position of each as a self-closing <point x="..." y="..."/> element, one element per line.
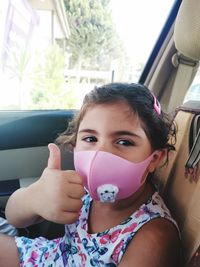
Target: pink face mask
<point x="108" y="177"/>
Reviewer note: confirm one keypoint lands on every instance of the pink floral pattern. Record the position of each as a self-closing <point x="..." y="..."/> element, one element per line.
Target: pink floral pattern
<point x="78" y="248"/>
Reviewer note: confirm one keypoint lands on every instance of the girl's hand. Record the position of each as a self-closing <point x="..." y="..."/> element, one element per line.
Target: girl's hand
<point x="56" y="196"/>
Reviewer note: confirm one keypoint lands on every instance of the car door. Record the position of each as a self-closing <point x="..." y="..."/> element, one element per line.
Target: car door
<point x="24" y="153"/>
<point x="23" y="147"/>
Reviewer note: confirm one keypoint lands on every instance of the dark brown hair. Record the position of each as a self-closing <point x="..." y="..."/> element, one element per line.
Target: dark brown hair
<point x="159" y="129"/>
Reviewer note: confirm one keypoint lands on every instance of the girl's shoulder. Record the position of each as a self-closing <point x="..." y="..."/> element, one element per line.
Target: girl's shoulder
<point x="156" y="207"/>
<point x="160" y="243"/>
<point x="158" y="237"/>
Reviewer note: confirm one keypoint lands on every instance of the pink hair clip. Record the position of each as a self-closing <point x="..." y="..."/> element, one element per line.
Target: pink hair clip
<point x="156" y="105"/>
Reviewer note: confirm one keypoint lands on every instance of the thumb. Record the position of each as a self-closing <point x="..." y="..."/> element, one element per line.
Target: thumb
<point x="54" y="161"/>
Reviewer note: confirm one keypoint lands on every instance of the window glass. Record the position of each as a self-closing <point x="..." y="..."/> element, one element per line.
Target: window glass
<point x="52" y="54"/>
<point x="194" y="91"/>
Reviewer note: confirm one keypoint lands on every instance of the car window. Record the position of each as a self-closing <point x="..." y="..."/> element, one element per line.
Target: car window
<point x="193" y="92"/>
<point x="51" y="55"/>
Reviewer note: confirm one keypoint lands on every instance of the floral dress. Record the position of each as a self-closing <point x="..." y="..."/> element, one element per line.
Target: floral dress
<point x="78" y="248"/>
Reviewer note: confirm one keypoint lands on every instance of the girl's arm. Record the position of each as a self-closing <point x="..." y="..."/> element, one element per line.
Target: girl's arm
<point x="9" y="256"/>
<point x="19" y="209"/>
<point x="56" y="196"/>
<point x="156" y="244"/>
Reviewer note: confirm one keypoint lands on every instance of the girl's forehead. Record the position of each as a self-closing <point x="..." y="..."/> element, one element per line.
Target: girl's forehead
<point x="115" y="108"/>
<point x="113" y="113"/>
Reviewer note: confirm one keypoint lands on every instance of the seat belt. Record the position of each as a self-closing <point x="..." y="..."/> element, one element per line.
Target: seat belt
<point x="186" y="70"/>
<point x="194" y="147"/>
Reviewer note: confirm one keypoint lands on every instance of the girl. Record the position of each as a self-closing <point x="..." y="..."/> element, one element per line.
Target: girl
<point x="119" y="138"/>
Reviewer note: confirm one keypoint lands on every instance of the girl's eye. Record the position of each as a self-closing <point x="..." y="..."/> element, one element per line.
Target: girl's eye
<point x="90" y="139"/>
<point x="125" y="143"/>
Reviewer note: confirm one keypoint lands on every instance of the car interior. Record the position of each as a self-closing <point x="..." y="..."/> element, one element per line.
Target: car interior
<point x="179" y="180"/>
<point x="169" y="73"/>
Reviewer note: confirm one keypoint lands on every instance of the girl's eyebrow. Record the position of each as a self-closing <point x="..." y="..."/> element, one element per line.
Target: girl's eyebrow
<point x="117" y="133"/>
<point x="127" y="133"/>
<point x="87" y="131"/>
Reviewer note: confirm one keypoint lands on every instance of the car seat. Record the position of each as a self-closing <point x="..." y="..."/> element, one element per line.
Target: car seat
<point x="179" y="180"/>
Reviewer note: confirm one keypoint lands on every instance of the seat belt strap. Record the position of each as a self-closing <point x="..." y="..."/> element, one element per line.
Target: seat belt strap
<point x="194" y="155"/>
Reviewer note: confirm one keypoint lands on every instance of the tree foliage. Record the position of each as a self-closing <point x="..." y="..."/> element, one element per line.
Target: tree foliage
<point x="49" y="88"/>
<point x="93" y="36"/>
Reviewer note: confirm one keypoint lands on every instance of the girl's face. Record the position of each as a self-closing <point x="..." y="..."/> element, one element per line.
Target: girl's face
<point x="115" y="129"/>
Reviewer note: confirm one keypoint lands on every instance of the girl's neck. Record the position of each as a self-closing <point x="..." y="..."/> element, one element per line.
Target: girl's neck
<point x="104" y="216"/>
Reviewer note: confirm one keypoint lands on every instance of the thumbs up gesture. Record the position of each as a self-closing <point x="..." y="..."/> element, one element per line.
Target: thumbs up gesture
<point x="58" y="193"/>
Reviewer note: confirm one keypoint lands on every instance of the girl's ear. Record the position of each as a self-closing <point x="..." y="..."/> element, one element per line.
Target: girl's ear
<point x="158" y="157"/>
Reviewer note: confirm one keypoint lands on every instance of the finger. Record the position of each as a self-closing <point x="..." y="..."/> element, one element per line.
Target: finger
<point x="72" y="205"/>
<point x="76" y="191"/>
<point x="65" y="217"/>
<point x="73" y="177"/>
<point x="54" y="161"/>
<point x="68" y="217"/>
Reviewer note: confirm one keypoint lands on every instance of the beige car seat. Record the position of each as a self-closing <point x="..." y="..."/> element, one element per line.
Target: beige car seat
<point x="179" y="180"/>
<point x="180" y="186"/>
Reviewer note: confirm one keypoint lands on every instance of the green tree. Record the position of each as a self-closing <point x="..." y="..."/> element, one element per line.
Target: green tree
<point x="49" y="88"/>
<point x="17" y="67"/>
<point x="93" y="38"/>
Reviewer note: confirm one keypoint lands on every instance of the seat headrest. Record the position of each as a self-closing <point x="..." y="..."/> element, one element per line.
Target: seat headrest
<point x="187" y="29"/>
